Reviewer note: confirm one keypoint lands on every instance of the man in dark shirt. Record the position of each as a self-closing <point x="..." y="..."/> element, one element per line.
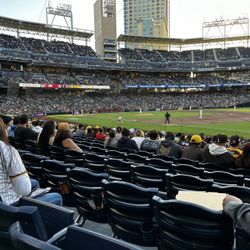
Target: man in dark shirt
<point x="167" y="116"/>
<point x="125" y="142"/>
<point x="22" y="132"/>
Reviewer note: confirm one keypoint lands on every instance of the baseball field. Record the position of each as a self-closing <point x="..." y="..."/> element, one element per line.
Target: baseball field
<point x="227" y="121"/>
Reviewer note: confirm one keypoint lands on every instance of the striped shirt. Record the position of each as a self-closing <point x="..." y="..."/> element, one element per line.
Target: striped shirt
<point x="10" y="165"/>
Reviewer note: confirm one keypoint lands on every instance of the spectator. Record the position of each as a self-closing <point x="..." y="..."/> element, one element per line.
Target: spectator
<point x="125" y="142"/>
<point x="22" y="132"/>
<point x="7" y="120"/>
<point x="138" y="138"/>
<point x="80" y="131"/>
<point x="100" y="135"/>
<point x="118" y="133"/>
<point x="234" y="148"/>
<point x="243" y="161"/>
<point x="37" y="126"/>
<point x="152" y="143"/>
<point x="238" y="211"/>
<point x="13" y="127"/>
<point x="63" y="138"/>
<point x="111" y="140"/>
<point x="14" y="179"/>
<point x="169" y="147"/>
<point x="89" y="132"/>
<point x="217" y="153"/>
<point x="194" y="151"/>
<point x="46" y="137"/>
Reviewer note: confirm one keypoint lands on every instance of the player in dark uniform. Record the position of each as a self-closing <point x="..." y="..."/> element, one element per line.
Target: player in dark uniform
<point x="167" y="120"/>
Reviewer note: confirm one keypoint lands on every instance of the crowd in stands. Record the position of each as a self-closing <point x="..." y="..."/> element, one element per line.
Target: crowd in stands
<point x="119" y="102"/>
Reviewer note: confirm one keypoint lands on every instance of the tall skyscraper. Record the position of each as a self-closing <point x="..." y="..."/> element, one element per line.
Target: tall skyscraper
<point x="105" y="29"/>
<point x="149" y="18"/>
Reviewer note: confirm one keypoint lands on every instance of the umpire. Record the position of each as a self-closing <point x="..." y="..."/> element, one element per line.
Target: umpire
<point x="167" y="120"/>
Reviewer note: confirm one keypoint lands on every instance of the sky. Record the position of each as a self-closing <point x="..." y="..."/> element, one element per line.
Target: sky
<point x="186" y="16"/>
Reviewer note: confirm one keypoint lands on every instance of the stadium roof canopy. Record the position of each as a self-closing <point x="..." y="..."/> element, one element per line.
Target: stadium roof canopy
<point x="19" y="26"/>
<point x="179" y="41"/>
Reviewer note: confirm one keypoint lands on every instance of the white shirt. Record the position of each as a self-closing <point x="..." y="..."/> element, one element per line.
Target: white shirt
<point x="138" y="140"/>
<point x="11" y="189"/>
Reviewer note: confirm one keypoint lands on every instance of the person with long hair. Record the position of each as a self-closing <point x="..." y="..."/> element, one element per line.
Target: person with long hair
<point x="243" y="161"/>
<point x="14" y="179"/>
<point x="63" y="138"/>
<point x="46" y="137"/>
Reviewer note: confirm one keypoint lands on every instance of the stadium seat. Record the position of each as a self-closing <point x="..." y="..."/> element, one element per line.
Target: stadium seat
<point x="158" y="163"/>
<point x="112" y="153"/>
<point x="146" y="154"/>
<point x="74" y="238"/>
<point x="118" y="169"/>
<point x="242" y="239"/>
<point x="86" y="192"/>
<point x="73" y="156"/>
<point x="56" y="153"/>
<point x="224" y="178"/>
<point x="136" y="158"/>
<point x="94" y="162"/>
<point x="186" y="161"/>
<point x="98" y="150"/>
<point x="186" y="169"/>
<point x="147" y="176"/>
<point x="180" y="182"/>
<point x="165" y="157"/>
<point x="184" y="225"/>
<point x="33" y="164"/>
<point x="129" y="211"/>
<point x="242" y="193"/>
<point x="242" y="171"/>
<point x="208" y="166"/>
<point x="31" y="146"/>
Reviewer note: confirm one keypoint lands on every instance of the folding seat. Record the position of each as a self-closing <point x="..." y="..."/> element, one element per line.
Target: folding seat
<point x="74" y="238"/>
<point x="33" y="164"/>
<point x="224" y="178"/>
<point x="180" y="182"/>
<point x="118" y="169"/>
<point x="158" y="163"/>
<point x="186" y="161"/>
<point x="136" y="158"/>
<point x="146" y="154"/>
<point x="183" y="225"/>
<point x="241" y="192"/>
<point x="129" y="211"/>
<point x="208" y="166"/>
<point x="242" y="171"/>
<point x="116" y="154"/>
<point x="56" y="153"/>
<point x="98" y="150"/>
<point x="186" y="169"/>
<point x="55" y="173"/>
<point x="75" y="157"/>
<point x="87" y="194"/>
<point x="147" y="176"/>
<point x="94" y="162"/>
<point x="165" y="157"/>
<point x="30" y="146"/>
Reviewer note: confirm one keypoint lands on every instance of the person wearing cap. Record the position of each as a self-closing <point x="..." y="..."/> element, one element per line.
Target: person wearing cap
<point x="63" y="138"/>
<point x="234" y="148"/>
<point x="217" y="153"/>
<point x="194" y="150"/>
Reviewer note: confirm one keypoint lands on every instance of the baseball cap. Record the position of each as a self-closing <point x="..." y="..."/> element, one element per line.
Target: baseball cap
<point x="63" y="126"/>
<point x="196" y="139"/>
<point x="234" y="140"/>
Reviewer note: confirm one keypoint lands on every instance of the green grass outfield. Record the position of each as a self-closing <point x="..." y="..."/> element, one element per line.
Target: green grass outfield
<point x="155" y="120"/>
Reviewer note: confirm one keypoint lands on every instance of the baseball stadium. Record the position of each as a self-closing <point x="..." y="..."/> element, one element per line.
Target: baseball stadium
<point x="138" y="142"/>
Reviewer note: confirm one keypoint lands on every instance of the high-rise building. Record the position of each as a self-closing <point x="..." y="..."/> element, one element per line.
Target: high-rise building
<point x="105" y="29"/>
<point x="149" y="18"/>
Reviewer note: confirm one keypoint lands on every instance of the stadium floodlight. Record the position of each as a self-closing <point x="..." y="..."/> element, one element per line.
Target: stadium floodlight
<point x="57" y="8"/>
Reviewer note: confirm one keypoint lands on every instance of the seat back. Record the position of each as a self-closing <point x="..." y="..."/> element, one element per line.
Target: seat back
<point x="208" y="166"/>
<point x="30" y="146"/>
<point x="75" y="157"/>
<point x="94" y="162"/>
<point x="28" y="216"/>
<point x="136" y="158"/>
<point x="224" y="178"/>
<point x="118" y="169"/>
<point x="179" y="182"/>
<point x="112" y="153"/>
<point x="186" y="161"/>
<point x="53" y="224"/>
<point x="87" y="194"/>
<point x="159" y="163"/>
<point x="56" y="153"/>
<point x="242" y="239"/>
<point x="184" y="225"/>
<point x="148" y="176"/>
<point x="242" y="193"/>
<point x="22" y="241"/>
<point x="93" y="241"/>
<point x="33" y="164"/>
<point x="129" y="211"/>
<point x="186" y="169"/>
<point x="165" y="157"/>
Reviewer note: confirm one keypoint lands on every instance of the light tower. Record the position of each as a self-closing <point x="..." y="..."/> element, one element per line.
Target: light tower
<point x="59" y="10"/>
<point x="105" y="29"/>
